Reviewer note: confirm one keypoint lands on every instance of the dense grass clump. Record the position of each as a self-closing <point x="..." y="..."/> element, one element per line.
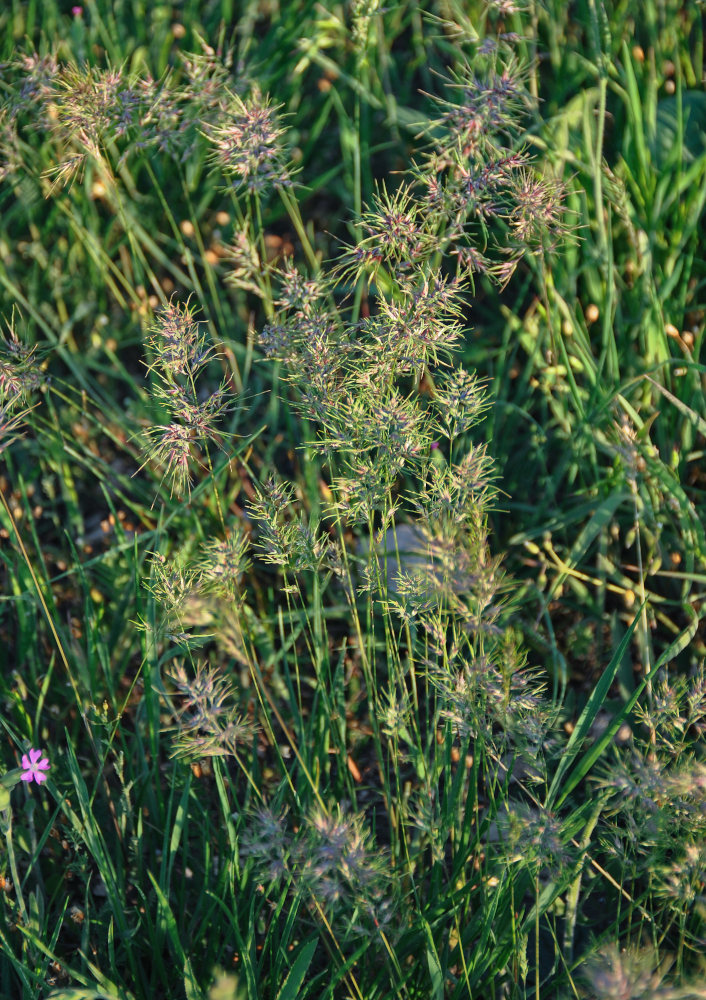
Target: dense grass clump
<point x="351" y="418"/>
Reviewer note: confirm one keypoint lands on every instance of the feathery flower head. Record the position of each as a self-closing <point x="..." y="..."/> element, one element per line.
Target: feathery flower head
<point x="395" y="236"/>
<point x="626" y="974"/>
<point x="20" y="371"/>
<point x="246" y="144"/>
<point x="178" y="344"/>
<point x="223" y="563"/>
<point x="207" y="721"/>
<point x="9" y="425"/>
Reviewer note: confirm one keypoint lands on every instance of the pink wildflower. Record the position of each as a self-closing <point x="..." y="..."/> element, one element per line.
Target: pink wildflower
<point x="33" y="766"/>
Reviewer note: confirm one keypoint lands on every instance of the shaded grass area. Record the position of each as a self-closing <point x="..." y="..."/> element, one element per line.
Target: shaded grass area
<point x="291" y="757"/>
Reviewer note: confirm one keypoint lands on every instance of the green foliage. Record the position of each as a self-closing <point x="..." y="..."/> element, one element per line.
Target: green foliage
<point x="310" y="311"/>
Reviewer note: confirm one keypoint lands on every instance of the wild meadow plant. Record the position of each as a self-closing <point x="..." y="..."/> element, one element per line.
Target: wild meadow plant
<point x="333" y="765"/>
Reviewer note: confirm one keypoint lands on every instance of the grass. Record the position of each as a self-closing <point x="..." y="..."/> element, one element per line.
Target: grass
<point x="311" y="313"/>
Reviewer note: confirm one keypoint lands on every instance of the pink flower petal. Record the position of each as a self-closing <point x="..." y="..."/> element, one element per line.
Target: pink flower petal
<point x="26" y="762"/>
<point x="27" y="776"/>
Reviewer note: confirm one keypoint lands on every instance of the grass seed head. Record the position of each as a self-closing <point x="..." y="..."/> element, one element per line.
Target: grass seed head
<point x="246" y="144"/>
<point x="207" y="722"/>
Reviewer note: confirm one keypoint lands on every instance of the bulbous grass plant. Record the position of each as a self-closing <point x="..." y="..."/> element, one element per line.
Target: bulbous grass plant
<point x="333" y="760"/>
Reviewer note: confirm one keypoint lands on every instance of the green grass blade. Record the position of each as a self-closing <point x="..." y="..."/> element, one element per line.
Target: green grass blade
<point x="587" y="717"/>
<point x="295" y="978"/>
<point x="434" y="964"/>
<point x="590" y="758"/>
